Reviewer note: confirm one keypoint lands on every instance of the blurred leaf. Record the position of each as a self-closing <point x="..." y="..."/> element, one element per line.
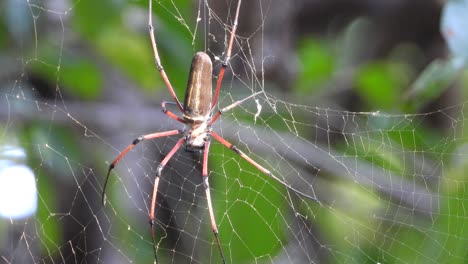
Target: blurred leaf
<point x="50" y="230"/>
<point x="438" y="76"/>
<point x="3" y="36"/>
<point x="446" y="241"/>
<point x="249" y="212"/>
<point x="76" y="75"/>
<point x="377" y="154"/>
<point x="81" y="78"/>
<point x="396" y="243"/>
<point x="130" y="50"/>
<point x="347" y="224"/>
<point x="50" y="139"/>
<point x="380" y="84"/>
<point x="406" y="136"/>
<point x="131" y="53"/>
<point x="88" y="14"/>
<point x="431" y="83"/>
<point x="317" y="64"/>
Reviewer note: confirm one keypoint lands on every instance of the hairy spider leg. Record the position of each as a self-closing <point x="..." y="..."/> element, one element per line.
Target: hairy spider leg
<point x="259" y="167"/>
<point x="157" y="60"/>
<point x="155" y="192"/>
<point x="228" y="56"/>
<point x="206" y="185"/>
<point x="128" y="148"/>
<point x="169" y="113"/>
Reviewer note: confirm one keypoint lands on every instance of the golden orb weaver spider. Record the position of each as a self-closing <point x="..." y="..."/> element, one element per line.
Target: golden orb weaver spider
<point x="197" y="114"/>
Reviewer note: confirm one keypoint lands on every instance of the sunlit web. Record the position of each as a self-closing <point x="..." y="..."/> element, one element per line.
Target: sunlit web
<point x="392" y="190"/>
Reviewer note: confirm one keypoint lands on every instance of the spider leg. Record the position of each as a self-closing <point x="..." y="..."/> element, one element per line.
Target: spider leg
<point x="155" y="191"/>
<point x="169" y="113"/>
<point x="157" y="60"/>
<point x="208" y="197"/>
<point x="128" y="148"/>
<point x="228" y="56"/>
<point x="260" y="167"/>
<point x="231" y="106"/>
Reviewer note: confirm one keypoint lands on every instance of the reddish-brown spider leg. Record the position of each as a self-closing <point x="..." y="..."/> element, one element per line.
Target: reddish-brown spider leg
<point x="260" y="167"/>
<point x="128" y="148"/>
<point x="231" y="106"/>
<point x="208" y="197"/>
<point x="155" y="191"/>
<point x="169" y="113"/>
<point x="157" y="60"/>
<point x="228" y="56"/>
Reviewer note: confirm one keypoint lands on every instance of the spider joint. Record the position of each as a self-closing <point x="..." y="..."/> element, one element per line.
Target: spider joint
<point x="158" y="65"/>
<point x="138" y="140"/>
<point x="206" y="184"/>
<point x="159" y="170"/>
<point x="236" y="150"/>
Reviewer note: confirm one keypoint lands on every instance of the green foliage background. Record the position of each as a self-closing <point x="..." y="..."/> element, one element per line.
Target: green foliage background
<point x="97" y="32"/>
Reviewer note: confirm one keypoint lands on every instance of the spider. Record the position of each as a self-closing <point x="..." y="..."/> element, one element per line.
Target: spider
<point x="197" y="115"/>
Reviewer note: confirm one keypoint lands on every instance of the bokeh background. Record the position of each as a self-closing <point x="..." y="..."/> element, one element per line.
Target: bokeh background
<point x="363" y="107"/>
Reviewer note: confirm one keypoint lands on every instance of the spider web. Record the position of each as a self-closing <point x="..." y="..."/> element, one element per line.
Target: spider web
<point x="392" y="187"/>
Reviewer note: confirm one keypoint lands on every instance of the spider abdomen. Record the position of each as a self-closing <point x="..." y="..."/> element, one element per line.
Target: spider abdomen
<point x="198" y="95"/>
